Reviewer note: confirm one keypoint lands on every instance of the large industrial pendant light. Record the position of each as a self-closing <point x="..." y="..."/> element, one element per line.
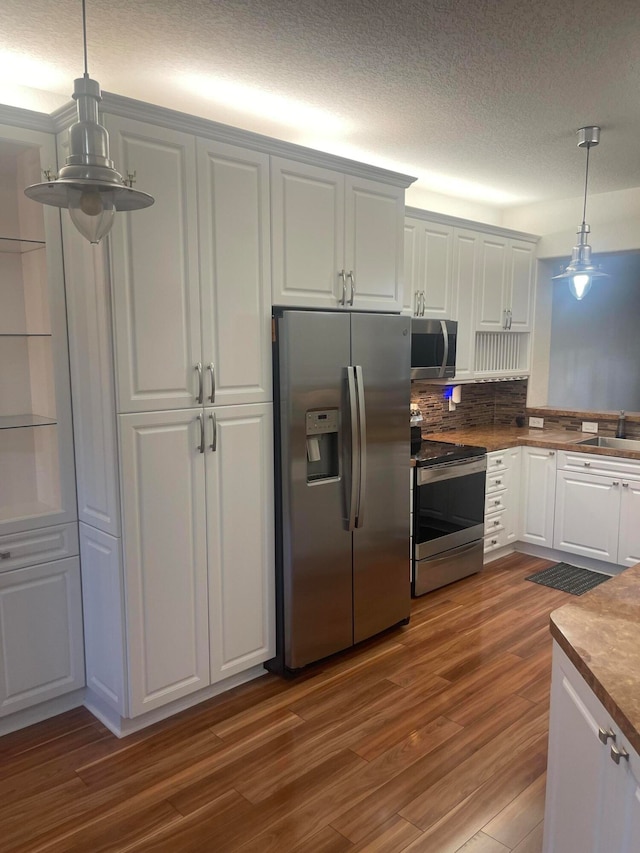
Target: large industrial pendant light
<point x="88" y="183"/>
<point x="581" y="272"/>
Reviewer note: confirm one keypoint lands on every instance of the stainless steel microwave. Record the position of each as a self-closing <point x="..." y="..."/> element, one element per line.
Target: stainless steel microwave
<point x="433" y="348"/>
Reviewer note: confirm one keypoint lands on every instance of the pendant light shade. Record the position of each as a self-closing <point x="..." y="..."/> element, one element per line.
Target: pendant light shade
<point x="581" y="271"/>
<point x="88" y="184"/>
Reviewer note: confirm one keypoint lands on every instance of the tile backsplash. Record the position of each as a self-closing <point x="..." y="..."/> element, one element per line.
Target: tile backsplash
<point x="481" y="404"/>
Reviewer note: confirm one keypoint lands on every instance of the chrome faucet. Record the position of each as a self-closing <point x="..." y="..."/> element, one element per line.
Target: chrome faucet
<point x="620" y="429"/>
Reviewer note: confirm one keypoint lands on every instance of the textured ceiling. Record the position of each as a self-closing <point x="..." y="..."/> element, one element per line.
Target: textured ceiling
<point x="479" y="98"/>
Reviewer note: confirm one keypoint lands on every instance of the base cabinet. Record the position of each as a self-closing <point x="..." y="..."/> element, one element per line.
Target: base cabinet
<point x="41" y="653"/>
<point x="538" y="495"/>
<point x="587" y="515"/>
<point x="592" y="803"/>
<point x="197" y="489"/>
<point x="502" y="501"/>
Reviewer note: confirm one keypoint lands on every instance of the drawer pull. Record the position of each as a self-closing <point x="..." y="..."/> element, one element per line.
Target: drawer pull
<point x="497" y="502"/>
<point x="587" y="464"/>
<point x="494" y="541"/>
<point x="4" y="555"/>
<point x="605" y="734"/>
<point x="498" y="482"/>
<point x="617" y="754"/>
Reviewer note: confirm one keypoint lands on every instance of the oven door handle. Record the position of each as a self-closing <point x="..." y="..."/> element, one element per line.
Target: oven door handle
<point x="449" y="470"/>
<point x="354" y="486"/>
<point x="445" y="357"/>
<point x="362" y="424"/>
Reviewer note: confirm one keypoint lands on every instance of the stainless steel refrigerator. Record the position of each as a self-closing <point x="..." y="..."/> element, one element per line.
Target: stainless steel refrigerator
<point x="342" y="387"/>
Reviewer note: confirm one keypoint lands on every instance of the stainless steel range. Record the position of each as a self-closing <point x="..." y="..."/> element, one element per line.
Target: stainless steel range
<point x="448" y="513"/>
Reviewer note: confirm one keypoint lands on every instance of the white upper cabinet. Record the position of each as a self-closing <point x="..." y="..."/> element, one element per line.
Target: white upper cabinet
<point x="337" y="240"/>
<point x="191" y="282"/>
<point x="233" y="197"/>
<point x="429" y="278"/>
<point x="466" y="258"/>
<point x="505" y="285"/>
<point x="154" y="262"/>
<point x="374" y="244"/>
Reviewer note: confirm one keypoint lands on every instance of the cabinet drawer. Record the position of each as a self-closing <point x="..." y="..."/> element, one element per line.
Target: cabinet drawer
<point x="495" y="502"/>
<point x="498" y="480"/>
<point x="31" y="547"/>
<point x="497" y="460"/>
<point x="493" y="524"/>
<point x="596" y="464"/>
<point x="495" y="541"/>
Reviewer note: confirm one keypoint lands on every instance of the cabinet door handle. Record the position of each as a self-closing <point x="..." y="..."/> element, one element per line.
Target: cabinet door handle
<point x="416" y="303"/>
<point x="352" y="279"/>
<point x="214" y="432"/>
<point x="605" y="734"/>
<point x="200" y="397"/>
<point x="625" y="485"/>
<point x="617" y="754"/>
<point x="587" y="464"/>
<point x="4" y="555"/>
<point x="212" y="374"/>
<point x="424" y="303"/>
<point x="509" y="317"/>
<point x="341" y="275"/>
<point x="552" y="453"/>
<point x="200" y="447"/>
<point x="615" y="483"/>
<point x="504" y="318"/>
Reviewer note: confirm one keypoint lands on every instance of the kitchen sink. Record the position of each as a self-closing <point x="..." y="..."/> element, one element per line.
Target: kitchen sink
<point x="612" y="443"/>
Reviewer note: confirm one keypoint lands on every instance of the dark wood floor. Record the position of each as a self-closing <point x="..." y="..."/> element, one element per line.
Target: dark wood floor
<point x="431" y="738"/>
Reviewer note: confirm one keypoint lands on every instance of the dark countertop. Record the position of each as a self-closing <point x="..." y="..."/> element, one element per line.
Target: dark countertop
<point x="502" y="437"/>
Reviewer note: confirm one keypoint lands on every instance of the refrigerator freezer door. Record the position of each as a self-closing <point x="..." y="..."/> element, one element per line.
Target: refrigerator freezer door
<point x="316" y="544"/>
<point x="380" y="346"/>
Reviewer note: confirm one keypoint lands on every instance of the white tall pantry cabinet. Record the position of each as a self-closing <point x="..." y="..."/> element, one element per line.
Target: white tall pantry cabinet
<point x="41" y="643"/>
<point x="173" y="419"/>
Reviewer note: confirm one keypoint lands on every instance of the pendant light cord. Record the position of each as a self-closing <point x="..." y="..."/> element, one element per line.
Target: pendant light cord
<point x="84" y="40"/>
<point x="586" y="182"/>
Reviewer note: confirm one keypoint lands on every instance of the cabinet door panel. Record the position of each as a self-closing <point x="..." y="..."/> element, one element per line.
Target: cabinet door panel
<point x="41" y="654"/>
<point x="412" y="229"/>
<point x="629" y="540"/>
<point x="522" y="256"/>
<point x="587" y="514"/>
<point x="233" y="193"/>
<point x="490" y="284"/>
<point x="163" y="495"/>
<point x="436" y="258"/>
<point x="374" y="243"/>
<point x="307" y="214"/>
<point x="576" y="774"/>
<point x="154" y="256"/>
<point x="466" y="263"/>
<point x="538" y="486"/>
<point x="240" y="538"/>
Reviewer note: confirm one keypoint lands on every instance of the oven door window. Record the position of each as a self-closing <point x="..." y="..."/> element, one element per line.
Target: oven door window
<point x="449" y="506"/>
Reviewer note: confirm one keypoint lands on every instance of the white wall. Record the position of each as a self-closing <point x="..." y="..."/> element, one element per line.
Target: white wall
<point x="614" y="219"/>
<point x="418" y="196"/>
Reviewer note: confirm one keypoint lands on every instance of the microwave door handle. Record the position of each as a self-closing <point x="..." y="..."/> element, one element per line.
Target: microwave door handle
<point x="362" y="422"/>
<point x="354" y="485"/>
<point x="445" y="336"/>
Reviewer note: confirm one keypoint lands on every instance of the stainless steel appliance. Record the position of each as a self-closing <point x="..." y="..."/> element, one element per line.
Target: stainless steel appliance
<point x="448" y="514"/>
<point x="342" y="462"/>
<point x="433" y="348"/>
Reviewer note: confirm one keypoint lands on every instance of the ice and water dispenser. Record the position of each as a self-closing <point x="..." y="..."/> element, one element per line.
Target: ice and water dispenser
<point x="322" y="445"/>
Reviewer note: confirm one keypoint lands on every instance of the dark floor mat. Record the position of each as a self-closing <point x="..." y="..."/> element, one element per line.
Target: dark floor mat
<point x="568" y="578"/>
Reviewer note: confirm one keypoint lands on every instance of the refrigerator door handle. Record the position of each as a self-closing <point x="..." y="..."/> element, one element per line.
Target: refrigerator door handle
<point x="445" y="335"/>
<point x="362" y="424"/>
<point x="355" y="448"/>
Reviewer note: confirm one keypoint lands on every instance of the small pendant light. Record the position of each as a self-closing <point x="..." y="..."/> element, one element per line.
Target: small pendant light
<point x="88" y="184"/>
<point x="581" y="272"/>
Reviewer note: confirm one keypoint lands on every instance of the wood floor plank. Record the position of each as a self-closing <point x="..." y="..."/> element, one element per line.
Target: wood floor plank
<point x="481" y="843"/>
<point x="327" y="762"/>
<point x="460" y="825"/>
<point x="520" y="816"/>
<point x="533" y="842"/>
<point x="388" y="799"/>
